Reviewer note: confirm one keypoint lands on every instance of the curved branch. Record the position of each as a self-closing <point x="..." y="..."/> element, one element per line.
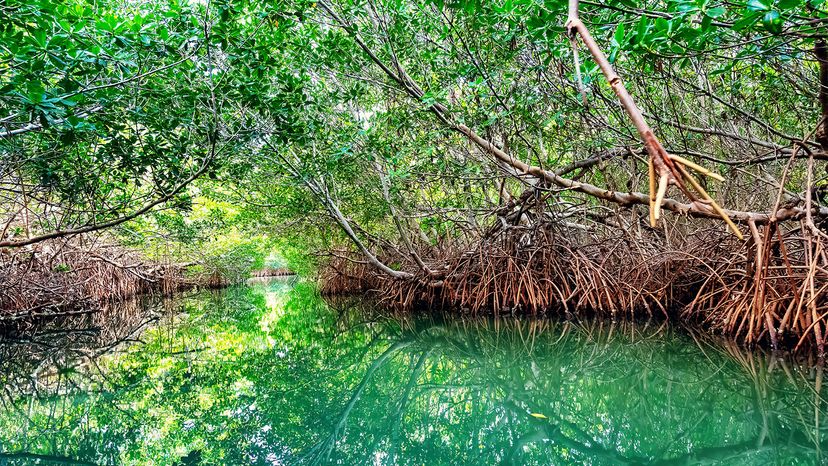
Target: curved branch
<point x="102" y="226"/>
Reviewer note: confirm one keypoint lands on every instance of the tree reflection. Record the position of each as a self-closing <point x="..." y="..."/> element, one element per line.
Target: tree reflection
<point x="519" y="391"/>
<point x="54" y="358"/>
<point x="275" y="375"/>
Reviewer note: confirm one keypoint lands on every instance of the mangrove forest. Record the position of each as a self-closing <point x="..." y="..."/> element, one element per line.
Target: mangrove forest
<point x="295" y="232"/>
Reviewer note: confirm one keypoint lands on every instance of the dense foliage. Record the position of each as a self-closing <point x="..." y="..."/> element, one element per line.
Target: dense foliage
<point x="402" y="135"/>
<point x="108" y="106"/>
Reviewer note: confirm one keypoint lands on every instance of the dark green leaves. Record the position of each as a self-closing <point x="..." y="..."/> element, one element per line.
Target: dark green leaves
<point x="772" y="21"/>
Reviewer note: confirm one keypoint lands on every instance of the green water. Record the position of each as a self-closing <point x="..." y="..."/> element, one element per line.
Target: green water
<point x="271" y="374"/>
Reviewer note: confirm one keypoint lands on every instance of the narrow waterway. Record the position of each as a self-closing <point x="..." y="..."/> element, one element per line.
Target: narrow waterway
<point x="269" y="373"/>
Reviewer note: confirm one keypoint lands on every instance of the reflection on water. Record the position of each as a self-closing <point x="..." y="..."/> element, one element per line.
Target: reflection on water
<point x="271" y="374"/>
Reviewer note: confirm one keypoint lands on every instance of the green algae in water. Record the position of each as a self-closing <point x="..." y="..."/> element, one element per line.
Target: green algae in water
<point x="271" y="374"/>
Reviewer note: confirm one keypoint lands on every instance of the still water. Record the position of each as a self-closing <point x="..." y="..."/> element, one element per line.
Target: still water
<point x="271" y="374"/>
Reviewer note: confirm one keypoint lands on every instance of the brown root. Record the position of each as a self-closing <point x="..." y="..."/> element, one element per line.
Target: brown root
<point x="770" y="291"/>
<point x="59" y="277"/>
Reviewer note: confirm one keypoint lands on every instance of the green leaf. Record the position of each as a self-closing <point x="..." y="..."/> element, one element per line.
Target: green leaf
<point x="747" y="21"/>
<point x="613" y="55"/>
<point x="716" y="12"/>
<point x="619" y="35"/>
<point x="641" y="30"/>
<point x="688" y="7"/>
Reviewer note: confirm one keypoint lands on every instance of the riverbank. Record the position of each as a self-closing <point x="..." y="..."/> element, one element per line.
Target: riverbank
<point x="771" y="292"/>
<point x="60" y="278"/>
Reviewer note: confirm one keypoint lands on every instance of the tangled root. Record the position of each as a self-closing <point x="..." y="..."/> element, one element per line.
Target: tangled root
<point x="770" y="290"/>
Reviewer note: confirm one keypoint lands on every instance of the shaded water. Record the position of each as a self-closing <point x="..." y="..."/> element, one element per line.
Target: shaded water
<point x="271" y="374"/>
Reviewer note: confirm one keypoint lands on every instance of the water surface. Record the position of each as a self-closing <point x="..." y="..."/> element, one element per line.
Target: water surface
<point x="271" y="374"/>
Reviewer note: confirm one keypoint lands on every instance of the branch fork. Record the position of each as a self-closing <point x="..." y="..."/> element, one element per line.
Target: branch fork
<point x="664" y="169"/>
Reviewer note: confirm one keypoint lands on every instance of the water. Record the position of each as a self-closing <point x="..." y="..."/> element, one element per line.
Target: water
<point x="271" y="374"/>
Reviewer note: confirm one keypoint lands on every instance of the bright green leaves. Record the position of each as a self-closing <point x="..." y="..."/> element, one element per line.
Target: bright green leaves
<point x="756" y="9"/>
<point x="788" y="4"/>
<point x="757" y="5"/>
<point x="618" y="43"/>
<point x="290" y="82"/>
<point x="642" y="29"/>
<point x="62" y="49"/>
<point x="618" y="36"/>
<point x="544" y="25"/>
<point x="102" y="103"/>
<point x="746" y="21"/>
<point x="769" y="14"/>
<point x="690" y="27"/>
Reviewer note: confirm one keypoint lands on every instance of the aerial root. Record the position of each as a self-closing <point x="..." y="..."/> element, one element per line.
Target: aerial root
<point x="774" y="291"/>
<point x="682" y="167"/>
<point x="697" y="167"/>
<point x="709" y="200"/>
<point x="63" y="275"/>
<point x="663" y="181"/>
<point x="661" y="163"/>
<point x="652" y="191"/>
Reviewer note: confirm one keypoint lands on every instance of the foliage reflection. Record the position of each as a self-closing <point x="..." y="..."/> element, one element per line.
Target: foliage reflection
<point x="272" y="374"/>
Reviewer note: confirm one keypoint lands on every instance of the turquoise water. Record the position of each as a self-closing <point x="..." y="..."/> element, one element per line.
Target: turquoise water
<point x="271" y="374"/>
